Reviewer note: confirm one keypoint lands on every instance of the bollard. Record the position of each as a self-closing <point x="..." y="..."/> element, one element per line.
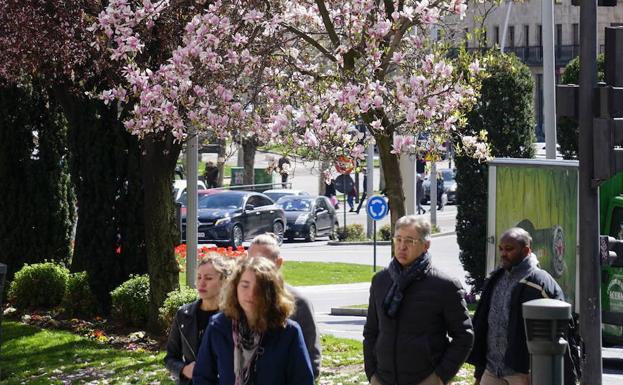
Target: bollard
<point x="546" y="322"/>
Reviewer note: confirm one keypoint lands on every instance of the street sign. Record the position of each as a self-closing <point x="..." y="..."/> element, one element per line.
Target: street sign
<point x="377" y="207"/>
<point x="344" y="164"/>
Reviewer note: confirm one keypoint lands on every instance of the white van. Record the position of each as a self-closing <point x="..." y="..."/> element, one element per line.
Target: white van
<point x="179" y="186"/>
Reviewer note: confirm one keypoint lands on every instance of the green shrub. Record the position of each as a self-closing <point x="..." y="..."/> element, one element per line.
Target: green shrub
<point x="174" y="300"/>
<point x="352" y="232"/>
<point x="505" y="110"/>
<point x="79" y="300"/>
<point x="39" y="286"/>
<point x="130" y="301"/>
<point x="384" y="233"/>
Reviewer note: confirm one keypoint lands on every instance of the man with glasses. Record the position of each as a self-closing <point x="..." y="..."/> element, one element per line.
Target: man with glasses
<point x="418" y="330"/>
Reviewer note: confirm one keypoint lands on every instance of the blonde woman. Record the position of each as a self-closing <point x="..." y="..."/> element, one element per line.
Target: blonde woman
<point x="191" y="320"/>
<point x="253" y="341"/>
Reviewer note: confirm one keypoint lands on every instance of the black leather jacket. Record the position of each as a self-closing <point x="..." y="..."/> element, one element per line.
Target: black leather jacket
<point x="183" y="344"/>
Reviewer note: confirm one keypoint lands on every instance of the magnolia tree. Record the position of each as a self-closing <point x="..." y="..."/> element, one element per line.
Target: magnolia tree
<point x="297" y="72"/>
<point x="373" y="60"/>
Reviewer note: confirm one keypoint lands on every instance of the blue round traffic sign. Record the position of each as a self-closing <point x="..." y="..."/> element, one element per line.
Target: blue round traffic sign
<point x="377" y="207"/>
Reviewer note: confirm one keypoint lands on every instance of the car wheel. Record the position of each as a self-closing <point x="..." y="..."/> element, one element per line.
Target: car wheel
<point x="311" y="234"/>
<point x="333" y="235"/>
<point x="278" y="231"/>
<point x="237" y="236"/>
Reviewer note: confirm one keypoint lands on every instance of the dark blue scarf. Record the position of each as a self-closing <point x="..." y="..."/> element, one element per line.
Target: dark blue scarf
<point x="403" y="277"/>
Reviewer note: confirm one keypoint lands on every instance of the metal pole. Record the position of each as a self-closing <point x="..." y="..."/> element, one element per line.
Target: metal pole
<point x="374" y="260"/>
<point x="344" y="200"/>
<point x="370" y="188"/>
<point x="433" y="193"/>
<point x="590" y="305"/>
<point x="191" y="213"/>
<point x="508" y="14"/>
<point x="549" y="79"/>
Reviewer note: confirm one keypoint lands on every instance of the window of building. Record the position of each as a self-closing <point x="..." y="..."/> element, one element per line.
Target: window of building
<point x="558" y="34"/>
<point x="576" y="34"/>
<point x="511" y="36"/>
<point x="539" y="35"/>
<point x="526" y="35"/>
<point x="496" y="35"/>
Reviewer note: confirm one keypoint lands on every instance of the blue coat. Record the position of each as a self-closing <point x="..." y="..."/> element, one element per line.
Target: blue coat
<point x="284" y="362"/>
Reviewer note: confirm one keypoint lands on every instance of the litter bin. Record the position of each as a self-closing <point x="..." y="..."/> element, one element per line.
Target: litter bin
<point x="261" y="176"/>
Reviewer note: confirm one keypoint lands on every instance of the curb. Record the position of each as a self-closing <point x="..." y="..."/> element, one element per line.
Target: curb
<point x="349" y="311"/>
<point x="381" y="243"/>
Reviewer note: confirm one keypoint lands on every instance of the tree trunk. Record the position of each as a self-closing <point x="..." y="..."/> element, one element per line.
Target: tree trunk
<point x="393" y="178"/>
<point x="220" y="162"/>
<point x="249" y="148"/>
<point x="104" y="160"/>
<point x="159" y="157"/>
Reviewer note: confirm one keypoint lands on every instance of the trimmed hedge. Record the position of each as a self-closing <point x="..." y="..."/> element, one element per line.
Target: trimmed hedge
<point x="39" y="286"/>
<point x="130" y="301"/>
<point x="174" y="300"/>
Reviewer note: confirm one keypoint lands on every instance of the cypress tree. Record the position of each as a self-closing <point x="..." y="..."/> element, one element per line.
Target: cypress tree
<point x="504" y="109"/>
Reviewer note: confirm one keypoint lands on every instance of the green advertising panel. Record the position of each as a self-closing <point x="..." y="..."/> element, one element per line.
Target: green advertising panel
<point x="543" y="201"/>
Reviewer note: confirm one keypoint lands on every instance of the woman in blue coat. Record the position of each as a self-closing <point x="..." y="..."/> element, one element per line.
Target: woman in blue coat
<point x="252" y="341"/>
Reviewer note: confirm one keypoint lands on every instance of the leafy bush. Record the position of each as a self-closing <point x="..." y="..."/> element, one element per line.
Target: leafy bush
<point x="130" y="301"/>
<point x="384" y="233"/>
<point x="505" y="110"/>
<point x="39" y="286"/>
<point x="79" y="300"/>
<point x="174" y="300"/>
<point x="352" y="232"/>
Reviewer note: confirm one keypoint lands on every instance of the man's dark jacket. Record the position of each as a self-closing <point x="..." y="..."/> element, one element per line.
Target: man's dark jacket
<point x="407" y="349"/>
<point x="536" y="284"/>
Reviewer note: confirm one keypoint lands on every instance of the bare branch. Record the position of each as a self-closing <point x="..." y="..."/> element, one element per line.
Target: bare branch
<point x="328" y="23"/>
<point x="311" y="41"/>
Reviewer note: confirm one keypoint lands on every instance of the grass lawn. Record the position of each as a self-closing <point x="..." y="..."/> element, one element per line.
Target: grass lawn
<point x="319" y="273"/>
<point x="36" y="357"/>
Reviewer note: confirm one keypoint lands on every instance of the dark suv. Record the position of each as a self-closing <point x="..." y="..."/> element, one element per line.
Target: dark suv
<point x="232" y="217"/>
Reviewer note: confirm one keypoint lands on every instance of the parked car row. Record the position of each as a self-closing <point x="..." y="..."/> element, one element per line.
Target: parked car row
<point x="233" y="217"/>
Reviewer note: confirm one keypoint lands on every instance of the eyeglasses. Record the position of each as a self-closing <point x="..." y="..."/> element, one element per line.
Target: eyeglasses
<point x="409" y="242"/>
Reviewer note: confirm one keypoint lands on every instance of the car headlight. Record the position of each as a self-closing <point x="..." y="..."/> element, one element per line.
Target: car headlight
<point x="222" y="221"/>
<point x="302" y="218"/>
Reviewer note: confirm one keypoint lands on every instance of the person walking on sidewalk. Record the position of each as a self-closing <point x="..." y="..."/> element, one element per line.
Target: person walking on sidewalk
<point x="365" y="189"/>
<point x="417" y="330"/>
<point x="252" y="341"/>
<point x="500" y="352"/>
<point x="191" y="319"/>
<point x="265" y="245"/>
<point x="419" y="193"/>
<point x="284" y="169"/>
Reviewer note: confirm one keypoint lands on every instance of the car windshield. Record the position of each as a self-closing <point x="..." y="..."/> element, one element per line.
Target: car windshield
<point x="275" y="195"/>
<point x="221" y="201"/>
<point x="184" y="198"/>
<point x="295" y="204"/>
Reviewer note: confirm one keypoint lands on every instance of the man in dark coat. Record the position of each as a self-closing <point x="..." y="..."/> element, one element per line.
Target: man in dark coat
<point x="500" y="354"/>
<point x="418" y="330"/>
<point x="210" y="175"/>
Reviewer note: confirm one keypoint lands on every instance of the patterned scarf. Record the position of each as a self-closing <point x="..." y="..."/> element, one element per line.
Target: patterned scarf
<point x="247" y="349"/>
<point x="403" y="277"/>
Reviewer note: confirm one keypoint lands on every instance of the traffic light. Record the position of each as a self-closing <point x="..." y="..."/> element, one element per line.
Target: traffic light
<point x="607" y="109"/>
<point x="600" y="3"/>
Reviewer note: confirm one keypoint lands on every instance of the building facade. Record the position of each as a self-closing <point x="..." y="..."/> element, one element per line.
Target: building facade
<point x="524" y="36"/>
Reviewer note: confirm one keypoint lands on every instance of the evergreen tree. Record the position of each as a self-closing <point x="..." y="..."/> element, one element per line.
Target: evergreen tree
<point x="504" y="110"/>
<point x="37" y="203"/>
